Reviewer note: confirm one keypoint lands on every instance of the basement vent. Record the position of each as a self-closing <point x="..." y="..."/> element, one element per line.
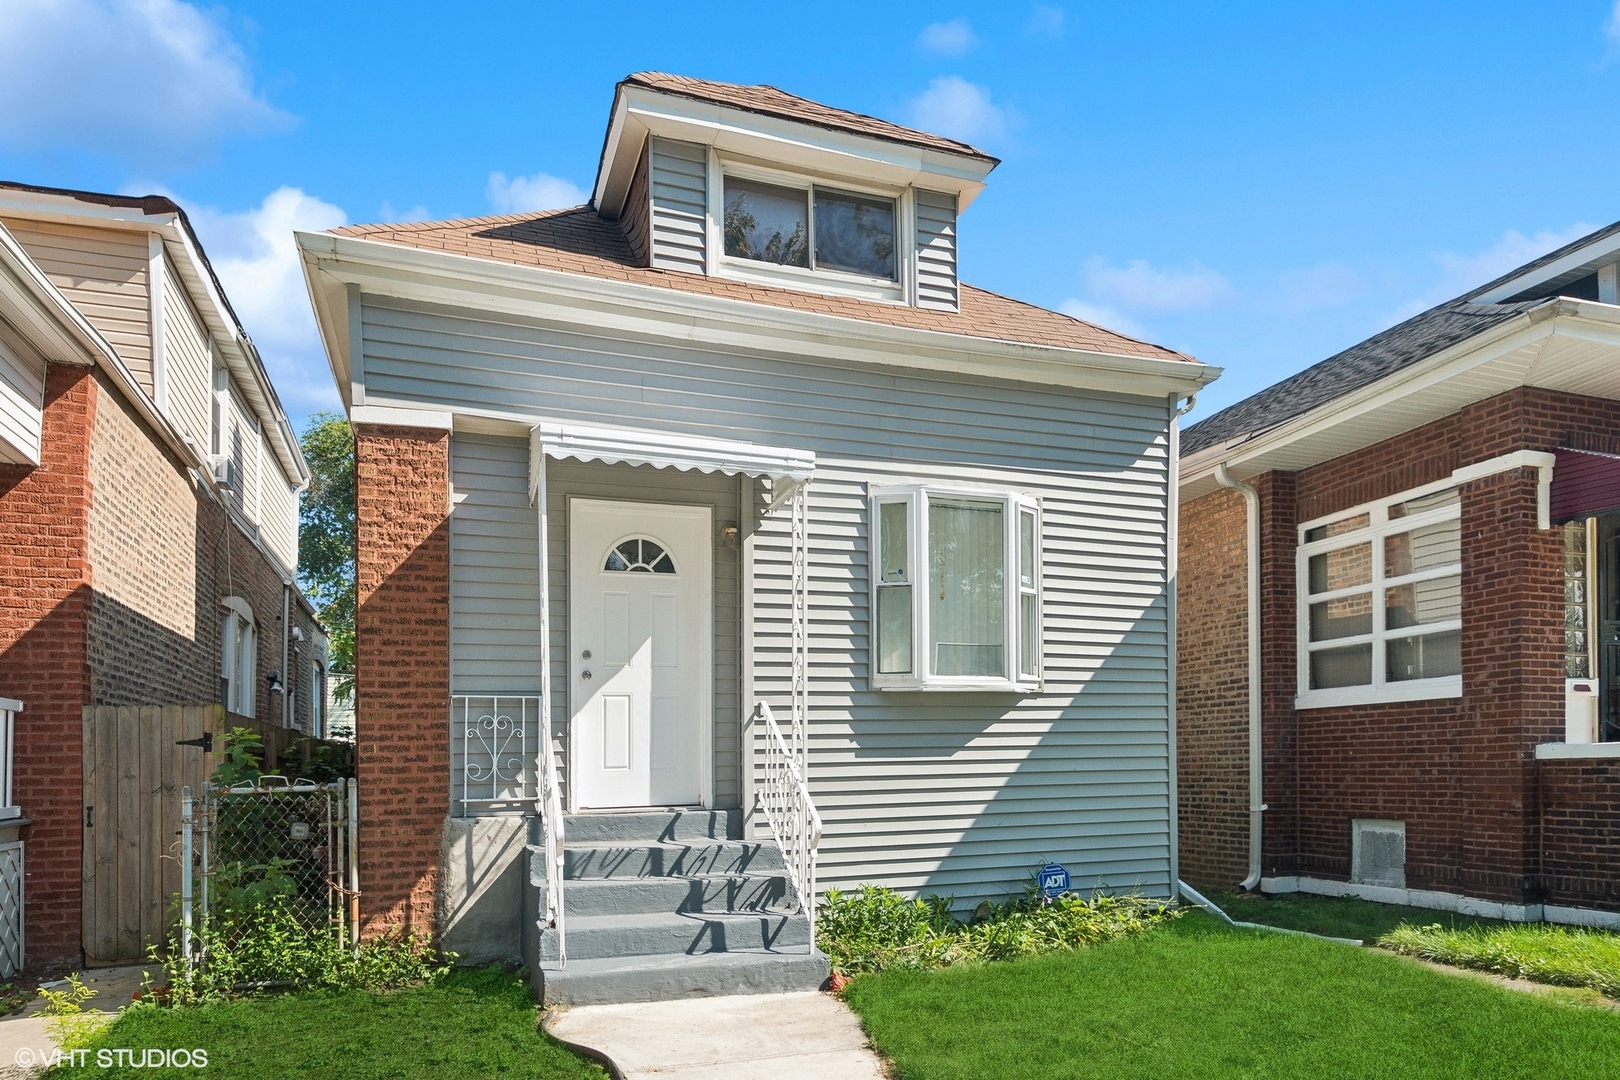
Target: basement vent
<point x="1378" y="852"/>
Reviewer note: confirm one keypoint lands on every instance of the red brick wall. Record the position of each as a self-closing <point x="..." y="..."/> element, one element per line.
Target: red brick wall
<point x="1212" y="700"/>
<point x="402" y="668"/>
<point x="1461" y="773"/>
<point x="1580" y="815"/>
<point x="44" y="580"/>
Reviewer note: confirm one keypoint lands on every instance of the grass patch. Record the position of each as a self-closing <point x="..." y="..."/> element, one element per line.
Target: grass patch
<point x="469" y="1024"/>
<point x="1338" y="916"/>
<point x="1560" y="955"/>
<point x="1193" y="998"/>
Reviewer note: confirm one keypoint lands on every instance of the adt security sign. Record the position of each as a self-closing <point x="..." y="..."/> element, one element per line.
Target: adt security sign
<point x="1054" y="880"/>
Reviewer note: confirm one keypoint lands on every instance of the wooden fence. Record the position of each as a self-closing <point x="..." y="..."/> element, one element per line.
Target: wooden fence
<point x="133" y="775"/>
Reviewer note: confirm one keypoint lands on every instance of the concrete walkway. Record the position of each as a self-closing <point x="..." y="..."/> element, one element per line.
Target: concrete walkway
<point x="26" y="1043"/>
<point x="806" y="1036"/>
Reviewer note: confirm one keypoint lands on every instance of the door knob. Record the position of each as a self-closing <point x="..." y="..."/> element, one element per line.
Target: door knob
<point x="586" y="675"/>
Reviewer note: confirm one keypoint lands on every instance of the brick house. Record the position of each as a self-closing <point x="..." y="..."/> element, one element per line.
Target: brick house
<point x="716" y="538"/>
<point x="149" y="486"/>
<point x="1399" y="611"/>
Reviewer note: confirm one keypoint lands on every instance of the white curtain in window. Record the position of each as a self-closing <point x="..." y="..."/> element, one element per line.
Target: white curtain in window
<point x="967" y="605"/>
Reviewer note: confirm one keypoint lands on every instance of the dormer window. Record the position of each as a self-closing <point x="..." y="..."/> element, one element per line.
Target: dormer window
<point x="824" y="230"/>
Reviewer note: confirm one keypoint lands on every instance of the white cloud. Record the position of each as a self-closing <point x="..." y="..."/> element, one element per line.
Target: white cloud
<point x="1046" y="21"/>
<point x="952" y="38"/>
<point x="256" y="259"/>
<point x="1460" y="274"/>
<point x="542" y="191"/>
<point x="1140" y="288"/>
<point x="143" y="80"/>
<point x="1104" y="316"/>
<point x="1612" y="27"/>
<point x="954" y="107"/>
<point x="1323" y="286"/>
<point x="386" y="212"/>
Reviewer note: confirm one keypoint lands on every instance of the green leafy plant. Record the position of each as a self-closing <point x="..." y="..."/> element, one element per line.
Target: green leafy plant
<point x="877" y="929"/>
<point x="65" y="1017"/>
<point x="242" y="759"/>
<point x="1558" y="955"/>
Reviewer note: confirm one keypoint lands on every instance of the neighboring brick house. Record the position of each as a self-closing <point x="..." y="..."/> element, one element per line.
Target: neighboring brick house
<point x="149" y="486"/>
<point x="1399" y="582"/>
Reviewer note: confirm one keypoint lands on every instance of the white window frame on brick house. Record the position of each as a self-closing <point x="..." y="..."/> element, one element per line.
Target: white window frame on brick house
<point x="1385" y="518"/>
<point x="1021" y="570"/>
<point x="239" y="657"/>
<point x="811" y="279"/>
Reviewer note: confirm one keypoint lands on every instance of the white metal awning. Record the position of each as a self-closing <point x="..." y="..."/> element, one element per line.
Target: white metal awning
<point x="786" y="468"/>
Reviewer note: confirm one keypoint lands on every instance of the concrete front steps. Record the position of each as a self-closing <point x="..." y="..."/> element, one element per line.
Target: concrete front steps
<point x="669" y="904"/>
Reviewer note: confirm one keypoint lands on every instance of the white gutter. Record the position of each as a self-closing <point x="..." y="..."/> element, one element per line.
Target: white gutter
<point x="286" y="644"/>
<point x="1172" y="558"/>
<point x="1251" y="503"/>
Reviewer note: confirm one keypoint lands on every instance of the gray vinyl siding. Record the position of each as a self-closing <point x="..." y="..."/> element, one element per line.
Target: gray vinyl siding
<point x="22" y="400"/>
<point x="679" y="205"/>
<point x="637" y="216"/>
<point x="957" y="793"/>
<point x="495" y="580"/>
<point x="190" y="366"/>
<point x="936" y="250"/>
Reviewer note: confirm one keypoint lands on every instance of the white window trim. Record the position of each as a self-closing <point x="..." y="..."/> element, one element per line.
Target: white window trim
<point x="837" y="282"/>
<point x="244" y="691"/>
<point x="1379" y="526"/>
<point x="916" y="497"/>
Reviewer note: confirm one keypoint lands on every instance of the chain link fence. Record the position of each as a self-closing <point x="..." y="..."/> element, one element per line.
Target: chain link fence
<point x="290" y="846"/>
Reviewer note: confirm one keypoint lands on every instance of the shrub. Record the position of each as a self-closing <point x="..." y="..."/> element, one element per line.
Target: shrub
<point x="877" y="929"/>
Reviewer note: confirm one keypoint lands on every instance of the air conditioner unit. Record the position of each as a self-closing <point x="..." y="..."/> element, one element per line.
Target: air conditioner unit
<point x="224" y="468"/>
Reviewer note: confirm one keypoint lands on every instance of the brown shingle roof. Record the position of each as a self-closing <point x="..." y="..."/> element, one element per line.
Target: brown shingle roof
<point x="769" y="101"/>
<point x="577" y="241"/>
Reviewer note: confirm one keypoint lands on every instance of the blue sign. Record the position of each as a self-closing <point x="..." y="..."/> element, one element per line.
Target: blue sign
<point x="1054" y="880"/>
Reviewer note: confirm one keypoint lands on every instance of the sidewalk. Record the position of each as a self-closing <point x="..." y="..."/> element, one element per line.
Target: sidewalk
<point x="26" y="1044"/>
<point x="805" y="1036"/>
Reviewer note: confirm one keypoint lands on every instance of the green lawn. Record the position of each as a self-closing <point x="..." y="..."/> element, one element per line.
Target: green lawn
<point x="1337" y="916"/>
<point x="474" y="1024"/>
<point x="1197" y="999"/>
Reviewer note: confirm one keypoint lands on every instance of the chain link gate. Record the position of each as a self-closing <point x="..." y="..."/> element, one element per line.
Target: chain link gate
<point x="295" y="844"/>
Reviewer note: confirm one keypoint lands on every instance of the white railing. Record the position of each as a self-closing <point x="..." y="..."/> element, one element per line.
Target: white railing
<point x="550" y="806"/>
<point x="8" y="740"/>
<point x="792" y="815"/>
<point x="496" y="739"/>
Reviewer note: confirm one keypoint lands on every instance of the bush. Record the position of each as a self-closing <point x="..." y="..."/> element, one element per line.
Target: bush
<point x="1559" y="955"/>
<point x="877" y="929"/>
<point x="270" y="947"/>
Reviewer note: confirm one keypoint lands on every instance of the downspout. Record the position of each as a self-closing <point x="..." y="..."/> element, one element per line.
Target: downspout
<point x="1251" y="502"/>
<point x="1172" y="559"/>
<point x="286" y="643"/>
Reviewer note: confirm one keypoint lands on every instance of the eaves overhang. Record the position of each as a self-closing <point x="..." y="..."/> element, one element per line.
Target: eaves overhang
<point x="335" y="265"/>
<point x="1562" y="344"/>
<point x="640" y="112"/>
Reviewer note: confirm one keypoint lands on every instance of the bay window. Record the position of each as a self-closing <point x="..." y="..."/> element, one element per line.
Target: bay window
<point x="956" y="590"/>
<point x="1380" y="595"/>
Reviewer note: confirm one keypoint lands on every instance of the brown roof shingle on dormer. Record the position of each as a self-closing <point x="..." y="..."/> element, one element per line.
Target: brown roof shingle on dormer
<point x="577" y="241"/>
<point x="769" y="101"/>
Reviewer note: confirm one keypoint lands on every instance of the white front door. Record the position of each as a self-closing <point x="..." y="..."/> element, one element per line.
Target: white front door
<point x="640" y="645"/>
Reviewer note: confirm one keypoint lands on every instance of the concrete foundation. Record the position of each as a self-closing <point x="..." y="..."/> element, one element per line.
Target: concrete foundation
<point x="482" y="868"/>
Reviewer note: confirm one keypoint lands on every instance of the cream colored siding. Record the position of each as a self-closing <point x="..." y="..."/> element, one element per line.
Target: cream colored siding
<point x="278" y="511"/>
<point x="959" y="793"/>
<point x="242" y="447"/>
<point x="104" y="273"/>
<point x="22" y="400"/>
<point x="936" y="250"/>
<point x="189" y="364"/>
<point x="679" y="205"/>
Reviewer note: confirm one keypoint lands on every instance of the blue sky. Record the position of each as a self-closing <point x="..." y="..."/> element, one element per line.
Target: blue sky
<point x="1259" y="185"/>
